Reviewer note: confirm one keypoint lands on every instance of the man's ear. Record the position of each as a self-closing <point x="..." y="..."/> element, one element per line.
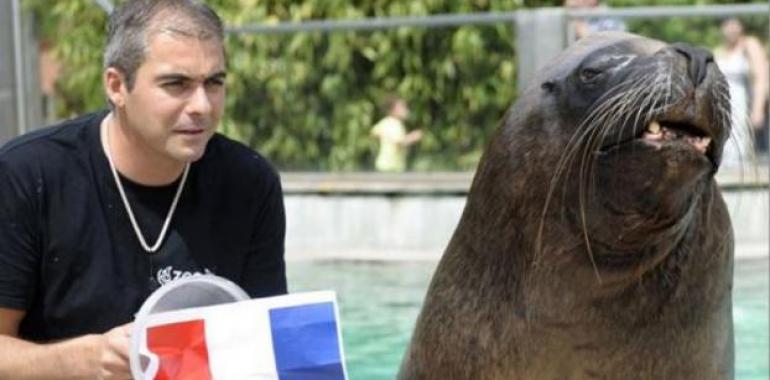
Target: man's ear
<point x="115" y="86"/>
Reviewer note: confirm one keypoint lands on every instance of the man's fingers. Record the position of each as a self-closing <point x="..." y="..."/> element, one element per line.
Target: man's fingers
<point x="115" y="367"/>
<point x="119" y="340"/>
<point x="114" y="358"/>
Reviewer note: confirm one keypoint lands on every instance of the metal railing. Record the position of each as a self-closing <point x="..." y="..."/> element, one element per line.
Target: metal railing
<point x="376" y="23"/>
<point x="447" y="20"/>
<point x="18" y="62"/>
<point x="106" y="5"/>
<point x="715" y="10"/>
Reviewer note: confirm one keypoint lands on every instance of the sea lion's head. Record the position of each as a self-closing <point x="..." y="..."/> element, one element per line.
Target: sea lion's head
<point x="619" y="139"/>
<point x="594" y="242"/>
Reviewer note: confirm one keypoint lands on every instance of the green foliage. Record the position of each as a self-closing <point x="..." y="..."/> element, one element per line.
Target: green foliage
<point x="76" y="29"/>
<point x="308" y="100"/>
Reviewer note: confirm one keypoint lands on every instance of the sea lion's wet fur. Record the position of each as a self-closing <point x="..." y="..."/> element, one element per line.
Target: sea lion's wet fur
<point x="582" y="254"/>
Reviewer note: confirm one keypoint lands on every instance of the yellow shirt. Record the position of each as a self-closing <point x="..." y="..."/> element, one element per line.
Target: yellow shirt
<point x="392" y="154"/>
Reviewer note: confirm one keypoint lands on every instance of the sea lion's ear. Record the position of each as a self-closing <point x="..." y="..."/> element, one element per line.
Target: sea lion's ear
<point x="548" y="86"/>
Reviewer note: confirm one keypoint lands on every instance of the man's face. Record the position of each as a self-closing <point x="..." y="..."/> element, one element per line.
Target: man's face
<point x="178" y="96"/>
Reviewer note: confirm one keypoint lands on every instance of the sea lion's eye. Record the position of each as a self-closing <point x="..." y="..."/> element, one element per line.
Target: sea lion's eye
<point x="589" y="74"/>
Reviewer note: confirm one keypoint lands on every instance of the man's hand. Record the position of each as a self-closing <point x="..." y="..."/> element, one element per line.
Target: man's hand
<point x="113" y="353"/>
<point x="88" y="357"/>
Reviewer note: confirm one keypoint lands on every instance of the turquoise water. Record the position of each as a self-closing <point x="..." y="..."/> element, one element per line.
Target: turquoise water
<point x="379" y="303"/>
<point x="750" y="316"/>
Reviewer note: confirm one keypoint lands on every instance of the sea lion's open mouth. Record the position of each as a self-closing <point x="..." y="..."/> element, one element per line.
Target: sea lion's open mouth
<point x="663" y="132"/>
<point x="659" y="132"/>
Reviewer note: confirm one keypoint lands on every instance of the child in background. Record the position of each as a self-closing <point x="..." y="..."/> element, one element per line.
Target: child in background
<point x="393" y="137"/>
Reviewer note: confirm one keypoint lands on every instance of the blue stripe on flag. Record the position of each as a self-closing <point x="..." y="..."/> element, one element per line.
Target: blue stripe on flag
<point x="305" y="342"/>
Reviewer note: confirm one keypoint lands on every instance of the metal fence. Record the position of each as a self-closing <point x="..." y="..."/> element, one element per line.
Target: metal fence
<point x="18" y="79"/>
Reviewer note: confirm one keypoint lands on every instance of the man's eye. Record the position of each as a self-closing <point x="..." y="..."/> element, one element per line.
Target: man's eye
<point x="215" y="83"/>
<point x="174" y="85"/>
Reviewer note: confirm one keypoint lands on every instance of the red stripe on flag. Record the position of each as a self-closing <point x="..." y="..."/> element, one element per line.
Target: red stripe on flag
<point x="181" y="350"/>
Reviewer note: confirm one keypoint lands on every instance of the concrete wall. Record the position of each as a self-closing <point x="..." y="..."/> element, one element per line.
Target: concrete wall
<point x="377" y="227"/>
<point x="419" y="227"/>
<point x="751" y="224"/>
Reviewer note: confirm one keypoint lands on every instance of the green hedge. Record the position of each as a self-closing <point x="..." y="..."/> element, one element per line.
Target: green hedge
<point x="308" y="100"/>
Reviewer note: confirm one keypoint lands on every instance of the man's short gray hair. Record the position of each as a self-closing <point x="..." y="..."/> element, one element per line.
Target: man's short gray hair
<point x="132" y="23"/>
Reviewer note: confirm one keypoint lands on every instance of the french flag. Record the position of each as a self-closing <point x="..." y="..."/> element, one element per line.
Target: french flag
<point x="288" y="337"/>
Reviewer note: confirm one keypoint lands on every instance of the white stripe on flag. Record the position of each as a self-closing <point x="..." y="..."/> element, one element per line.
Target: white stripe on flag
<point x="252" y="356"/>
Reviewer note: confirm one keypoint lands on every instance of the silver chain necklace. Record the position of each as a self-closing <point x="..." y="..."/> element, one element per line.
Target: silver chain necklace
<point x="131" y="216"/>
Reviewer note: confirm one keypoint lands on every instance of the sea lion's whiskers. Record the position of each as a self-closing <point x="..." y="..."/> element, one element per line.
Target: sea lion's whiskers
<point x="620" y="117"/>
<point x="574" y="143"/>
<point x="590" y="123"/>
<point x="668" y="88"/>
<point x="587" y="166"/>
<point x="619" y="121"/>
<point x="741" y="131"/>
<point x="618" y="124"/>
<point x="663" y="92"/>
<point x="639" y="93"/>
<point x="733" y="122"/>
<point x="572" y="146"/>
<point x="642" y="90"/>
<point x="588" y="126"/>
<point x="595" y="119"/>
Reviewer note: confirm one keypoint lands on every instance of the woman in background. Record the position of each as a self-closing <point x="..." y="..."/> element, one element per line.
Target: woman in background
<point x="744" y="63"/>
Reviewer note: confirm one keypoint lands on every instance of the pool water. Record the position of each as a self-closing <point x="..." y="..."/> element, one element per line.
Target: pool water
<point x="379" y="303"/>
<point x="750" y="317"/>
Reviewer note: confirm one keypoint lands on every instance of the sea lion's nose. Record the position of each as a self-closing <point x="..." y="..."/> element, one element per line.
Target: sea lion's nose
<point x="699" y="59"/>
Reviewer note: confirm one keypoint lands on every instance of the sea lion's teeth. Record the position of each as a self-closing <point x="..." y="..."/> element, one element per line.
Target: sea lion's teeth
<point x="700" y="143"/>
<point x="704" y="143"/>
<point x="653" y="127"/>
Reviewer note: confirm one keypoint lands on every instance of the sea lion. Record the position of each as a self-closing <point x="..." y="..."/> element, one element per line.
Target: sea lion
<point x="594" y="243"/>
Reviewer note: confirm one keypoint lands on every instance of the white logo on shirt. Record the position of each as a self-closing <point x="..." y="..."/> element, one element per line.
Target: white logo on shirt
<point x="168" y="274"/>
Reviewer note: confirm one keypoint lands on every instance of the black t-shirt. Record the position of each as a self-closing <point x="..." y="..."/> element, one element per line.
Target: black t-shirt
<point x="70" y="258"/>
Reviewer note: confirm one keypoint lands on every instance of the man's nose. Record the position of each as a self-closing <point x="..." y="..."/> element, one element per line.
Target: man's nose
<point x="698" y="58"/>
<point x="199" y="101"/>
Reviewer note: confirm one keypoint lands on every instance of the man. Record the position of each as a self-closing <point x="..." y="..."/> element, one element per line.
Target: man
<point x="98" y="212"/>
<point x="582" y="27"/>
